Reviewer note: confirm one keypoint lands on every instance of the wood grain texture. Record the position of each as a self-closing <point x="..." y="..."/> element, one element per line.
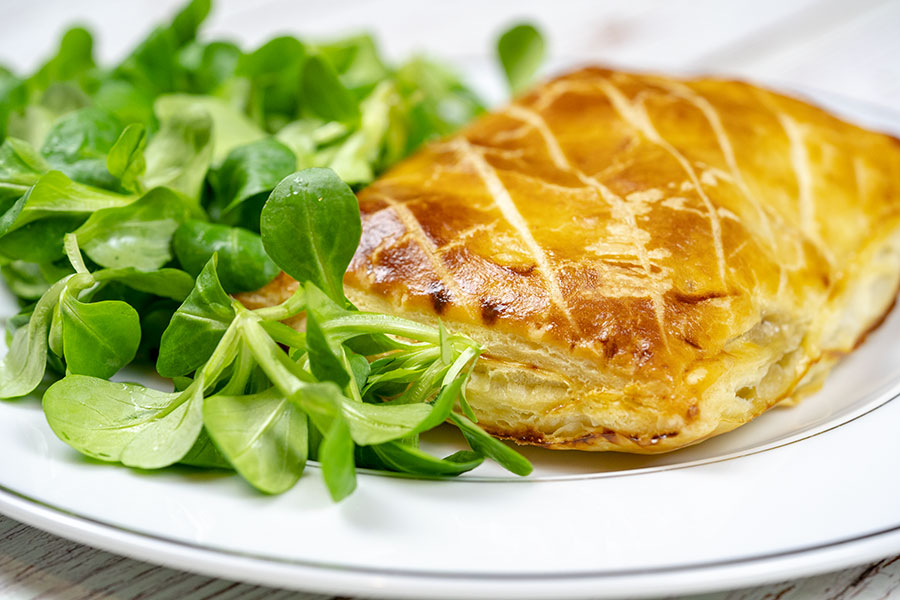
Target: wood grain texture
<point x="37" y="565"/>
<point x="876" y="581"/>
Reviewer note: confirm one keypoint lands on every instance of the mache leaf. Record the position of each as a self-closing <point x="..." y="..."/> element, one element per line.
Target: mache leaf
<point x="262" y="435"/>
<point x="180" y="153"/>
<point x="230" y="127"/>
<point x="22" y="369"/>
<point x="98" y="338"/>
<point x="138" y="235"/>
<point x="77" y="145"/>
<point x="485" y="445"/>
<point x="324" y="94"/>
<point x="205" y="454"/>
<point x="521" y="51"/>
<point x="21" y="166"/>
<point x="196" y="327"/>
<point x="125" y="422"/>
<point x="55" y="195"/>
<point x="336" y="458"/>
<point x="243" y="264"/>
<point x="310" y="227"/>
<point x="248" y="172"/>
<point x="24" y="279"/>
<point x="125" y="160"/>
<point x="407" y="459"/>
<point x="168" y="283"/>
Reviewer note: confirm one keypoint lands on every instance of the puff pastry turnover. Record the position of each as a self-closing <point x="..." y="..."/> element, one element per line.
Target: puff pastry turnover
<point x="647" y="261"/>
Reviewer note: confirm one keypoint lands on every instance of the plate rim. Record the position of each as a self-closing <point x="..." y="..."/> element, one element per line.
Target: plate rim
<point x="309" y="576"/>
<point x="299" y="575"/>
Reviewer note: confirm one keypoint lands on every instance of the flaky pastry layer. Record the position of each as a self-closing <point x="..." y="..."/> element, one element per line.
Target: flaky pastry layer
<point x="647" y="261"/>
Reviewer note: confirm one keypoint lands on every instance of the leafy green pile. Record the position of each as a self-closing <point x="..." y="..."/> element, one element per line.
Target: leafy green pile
<point x="133" y="202"/>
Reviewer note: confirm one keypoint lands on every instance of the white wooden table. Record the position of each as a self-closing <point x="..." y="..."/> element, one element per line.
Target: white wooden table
<point x="850" y="48"/>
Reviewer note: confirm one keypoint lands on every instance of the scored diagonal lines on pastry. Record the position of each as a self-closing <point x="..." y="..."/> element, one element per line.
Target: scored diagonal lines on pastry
<point x="800" y="165"/>
<point x="415" y="230"/>
<point x="621" y="210"/>
<point x="504" y="202"/>
<point x="684" y="92"/>
<point x="464" y="235"/>
<point x="636" y="116"/>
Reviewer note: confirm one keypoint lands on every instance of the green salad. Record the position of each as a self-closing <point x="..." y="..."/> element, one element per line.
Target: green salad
<point x="135" y="200"/>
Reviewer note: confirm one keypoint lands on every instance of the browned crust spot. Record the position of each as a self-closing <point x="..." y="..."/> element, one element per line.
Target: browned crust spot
<point x="440" y="297"/>
<point x="490" y="310"/>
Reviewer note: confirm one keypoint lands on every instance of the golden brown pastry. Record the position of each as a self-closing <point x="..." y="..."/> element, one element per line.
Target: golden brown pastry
<point x="647" y="261"/>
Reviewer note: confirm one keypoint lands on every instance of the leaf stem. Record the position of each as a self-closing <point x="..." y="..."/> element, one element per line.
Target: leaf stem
<point x="287" y="309"/>
<point x="361" y="323"/>
<point x="73" y="253"/>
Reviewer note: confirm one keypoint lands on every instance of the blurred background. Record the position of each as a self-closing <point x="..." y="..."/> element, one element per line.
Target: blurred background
<point x="849" y="48"/>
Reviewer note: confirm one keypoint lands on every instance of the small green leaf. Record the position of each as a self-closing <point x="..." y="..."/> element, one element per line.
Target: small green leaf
<point x="24" y="279"/>
<point x="209" y="66"/>
<point x="324" y="361"/>
<point x="263" y="435"/>
<point x="73" y="59"/>
<point x="125" y="100"/>
<point x="98" y="338"/>
<point x="39" y="241"/>
<point x="179" y="155"/>
<point x="336" y="458"/>
<point x="125" y="422"/>
<point x="77" y="145"/>
<point x="357" y="61"/>
<point x="138" y="235"/>
<point x="188" y="20"/>
<point x="55" y="195"/>
<point x="359" y="366"/>
<point x="204" y="454"/>
<point x="23" y="366"/>
<point x="408" y="459"/>
<point x="169" y="435"/>
<point x="33" y="121"/>
<point x="125" y="160"/>
<point x="324" y="93"/>
<point x="274" y="71"/>
<point x="437" y="103"/>
<point x="356" y="158"/>
<point x="248" y="172"/>
<point x="196" y="327"/>
<point x="521" y="51"/>
<point x="168" y="283"/>
<point x="485" y="445"/>
<point x="243" y="263"/>
<point x="151" y="66"/>
<point x="21" y="166"/>
<point x="229" y="126"/>
<point x="310" y="227"/>
<point x="379" y="423"/>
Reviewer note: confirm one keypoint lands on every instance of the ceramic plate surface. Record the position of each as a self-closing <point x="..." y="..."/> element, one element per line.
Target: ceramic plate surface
<point x="797" y="492"/>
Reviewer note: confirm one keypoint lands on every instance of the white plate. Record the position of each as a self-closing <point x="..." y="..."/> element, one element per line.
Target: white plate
<point x="797" y="492"/>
